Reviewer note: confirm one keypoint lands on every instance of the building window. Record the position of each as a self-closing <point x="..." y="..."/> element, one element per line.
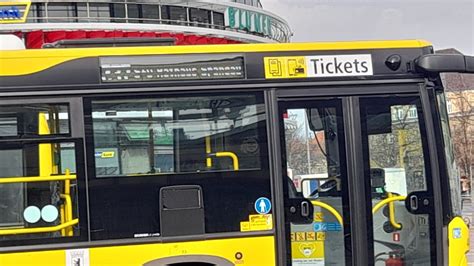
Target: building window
<point x="117" y="11"/>
<point x="178" y="15"/>
<point x="413" y="113"/>
<point x="218" y="20"/>
<point x="165" y="14"/>
<point x="81" y="11"/>
<point x="37" y="12"/>
<point x="99" y="12"/>
<point x="449" y="107"/>
<point x="134" y="11"/>
<point x="62" y="12"/>
<point x="151" y="12"/>
<point x="199" y="17"/>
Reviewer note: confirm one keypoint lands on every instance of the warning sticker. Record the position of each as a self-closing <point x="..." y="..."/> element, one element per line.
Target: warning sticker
<point x="257" y="222"/>
<point x="108" y="154"/>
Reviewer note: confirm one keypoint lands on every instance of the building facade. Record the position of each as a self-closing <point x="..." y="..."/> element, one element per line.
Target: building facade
<point x="43" y="22"/>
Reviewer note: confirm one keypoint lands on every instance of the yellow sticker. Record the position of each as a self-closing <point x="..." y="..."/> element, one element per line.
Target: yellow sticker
<point x="320" y="236"/>
<point x="318" y="217"/>
<point x="107" y="154"/>
<point x="307" y="250"/>
<point x="285" y="67"/>
<point x="311" y="236"/>
<point x="300" y="236"/>
<point x="257" y="222"/>
<point x="244" y="226"/>
<point x="260" y="222"/>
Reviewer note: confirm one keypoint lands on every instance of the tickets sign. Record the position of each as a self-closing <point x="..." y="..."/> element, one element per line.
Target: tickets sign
<point x="318" y="66"/>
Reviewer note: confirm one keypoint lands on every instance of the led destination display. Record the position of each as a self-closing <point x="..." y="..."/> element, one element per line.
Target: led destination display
<point x="200" y="70"/>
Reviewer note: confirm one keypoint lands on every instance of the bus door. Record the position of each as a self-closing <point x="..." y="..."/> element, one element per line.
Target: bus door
<point x="42" y="192"/>
<point x="388" y="161"/>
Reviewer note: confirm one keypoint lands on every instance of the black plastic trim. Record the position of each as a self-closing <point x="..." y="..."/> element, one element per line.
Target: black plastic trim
<point x="276" y="174"/>
<point x="132" y="241"/>
<point x="358" y="205"/>
<point x="426" y="104"/>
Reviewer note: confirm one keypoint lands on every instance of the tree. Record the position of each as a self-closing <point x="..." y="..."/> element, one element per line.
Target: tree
<point x="460" y="95"/>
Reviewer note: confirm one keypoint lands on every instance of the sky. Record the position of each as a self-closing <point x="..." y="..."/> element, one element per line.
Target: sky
<point x="445" y="23"/>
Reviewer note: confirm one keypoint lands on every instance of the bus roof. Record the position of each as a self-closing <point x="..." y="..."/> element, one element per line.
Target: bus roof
<point x="14" y="63"/>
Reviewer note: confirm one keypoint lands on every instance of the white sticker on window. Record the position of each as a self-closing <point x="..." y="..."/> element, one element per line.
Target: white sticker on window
<point x="77" y="257"/>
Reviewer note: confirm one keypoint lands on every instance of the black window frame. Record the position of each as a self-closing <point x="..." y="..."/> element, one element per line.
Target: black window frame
<point x="239" y="179"/>
<point x="398" y="99"/>
<point x="82" y="208"/>
<point x="22" y="135"/>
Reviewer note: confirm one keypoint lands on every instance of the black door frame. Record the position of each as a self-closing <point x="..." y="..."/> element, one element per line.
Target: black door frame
<point x="361" y="223"/>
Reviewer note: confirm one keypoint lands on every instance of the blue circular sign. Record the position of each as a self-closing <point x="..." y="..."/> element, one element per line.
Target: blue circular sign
<point x="263" y="205"/>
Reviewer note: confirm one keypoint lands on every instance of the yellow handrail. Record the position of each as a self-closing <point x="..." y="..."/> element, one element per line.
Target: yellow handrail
<point x="38" y="229"/>
<point x="68" y="212"/>
<point x="208" y="152"/>
<point x="330" y="209"/>
<point x="385" y="201"/>
<point x="235" y="159"/>
<point x="391" y="211"/>
<point x="65" y="209"/>
<point x="9" y="180"/>
<point x="391" y="208"/>
<point x="63" y="220"/>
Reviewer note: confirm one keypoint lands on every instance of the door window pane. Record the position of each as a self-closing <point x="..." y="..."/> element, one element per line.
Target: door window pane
<point x="394" y="135"/>
<point x="313" y="141"/>
<point x="451" y="166"/>
<point x="21" y="121"/>
<point x="45" y="199"/>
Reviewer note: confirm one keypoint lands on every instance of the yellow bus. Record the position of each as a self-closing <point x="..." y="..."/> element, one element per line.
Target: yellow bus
<point x="255" y="154"/>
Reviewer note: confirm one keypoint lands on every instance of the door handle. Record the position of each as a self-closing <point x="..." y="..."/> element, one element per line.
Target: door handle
<point x="413" y="202"/>
<point x="305" y="209"/>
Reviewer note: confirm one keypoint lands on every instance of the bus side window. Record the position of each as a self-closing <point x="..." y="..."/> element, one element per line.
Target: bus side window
<point x="176" y="135"/>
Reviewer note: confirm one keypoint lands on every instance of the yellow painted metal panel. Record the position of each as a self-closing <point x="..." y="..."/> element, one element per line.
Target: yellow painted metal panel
<point x="254" y="251"/>
<point x="14" y="63"/>
<point x="50" y="258"/>
<point x="458" y="241"/>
